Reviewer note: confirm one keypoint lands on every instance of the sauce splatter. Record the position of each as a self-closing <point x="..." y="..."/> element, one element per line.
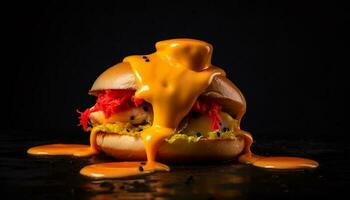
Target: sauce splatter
<point x="116" y="170"/>
<point x="78" y="150"/>
<point x="272" y="162"/>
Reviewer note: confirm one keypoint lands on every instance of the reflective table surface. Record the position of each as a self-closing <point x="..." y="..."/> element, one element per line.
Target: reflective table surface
<point x="28" y="177"/>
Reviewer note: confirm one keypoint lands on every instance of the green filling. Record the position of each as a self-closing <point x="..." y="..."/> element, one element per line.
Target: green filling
<point x="210" y="135"/>
<point x="179" y="136"/>
<point x="193" y="133"/>
<point x="122" y="128"/>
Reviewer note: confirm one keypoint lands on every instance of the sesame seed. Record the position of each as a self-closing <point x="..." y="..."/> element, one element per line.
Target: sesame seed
<point x="141" y="169"/>
<point x="218" y="134"/>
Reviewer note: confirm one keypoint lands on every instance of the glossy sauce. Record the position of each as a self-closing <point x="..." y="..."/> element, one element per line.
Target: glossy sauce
<point x="115" y="169"/>
<point x="171" y="79"/>
<point x="78" y="150"/>
<point x="272" y="162"/>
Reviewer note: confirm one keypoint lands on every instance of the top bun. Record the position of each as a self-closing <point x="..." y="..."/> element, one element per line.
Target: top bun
<point x="121" y="77"/>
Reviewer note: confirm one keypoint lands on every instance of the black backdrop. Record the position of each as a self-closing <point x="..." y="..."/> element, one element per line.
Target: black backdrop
<point x="286" y="58"/>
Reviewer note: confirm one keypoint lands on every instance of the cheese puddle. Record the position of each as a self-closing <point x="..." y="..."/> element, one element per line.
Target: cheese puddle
<point x="78" y="150"/>
<point x="60" y="149"/>
<point x="272" y="162"/>
<point x="115" y="170"/>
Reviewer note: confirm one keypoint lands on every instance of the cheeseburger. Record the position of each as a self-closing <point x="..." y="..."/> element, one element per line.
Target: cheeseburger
<point x="171" y="106"/>
<point x="207" y="132"/>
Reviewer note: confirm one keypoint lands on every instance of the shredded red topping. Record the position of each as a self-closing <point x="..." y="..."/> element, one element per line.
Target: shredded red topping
<point x="113" y="101"/>
<point x="210" y="107"/>
<point x="110" y="102"/>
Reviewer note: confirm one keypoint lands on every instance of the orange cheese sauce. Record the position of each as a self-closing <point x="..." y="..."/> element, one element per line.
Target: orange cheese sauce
<point x="115" y="169"/>
<point x="67" y="149"/>
<point x="171" y="79"/>
<point x="78" y="150"/>
<point x="272" y="162"/>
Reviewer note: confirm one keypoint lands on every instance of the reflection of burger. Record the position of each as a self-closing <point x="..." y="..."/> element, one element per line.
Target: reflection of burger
<point x="206" y="133"/>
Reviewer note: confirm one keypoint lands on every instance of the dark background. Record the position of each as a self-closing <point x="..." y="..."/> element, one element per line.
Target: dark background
<point x="287" y="59"/>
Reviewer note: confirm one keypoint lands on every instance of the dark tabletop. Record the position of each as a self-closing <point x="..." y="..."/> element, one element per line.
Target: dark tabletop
<point x="23" y="176"/>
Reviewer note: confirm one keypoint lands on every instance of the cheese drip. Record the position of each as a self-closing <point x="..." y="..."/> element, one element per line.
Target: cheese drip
<point x="171" y="79"/>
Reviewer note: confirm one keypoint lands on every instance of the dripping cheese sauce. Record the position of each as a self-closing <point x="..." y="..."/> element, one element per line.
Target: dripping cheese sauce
<point x="171" y="88"/>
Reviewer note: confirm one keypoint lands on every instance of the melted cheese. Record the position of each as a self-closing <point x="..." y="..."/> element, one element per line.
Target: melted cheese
<point x="60" y="149"/>
<point x="68" y="149"/>
<point x="171" y="84"/>
<point x="272" y="162"/>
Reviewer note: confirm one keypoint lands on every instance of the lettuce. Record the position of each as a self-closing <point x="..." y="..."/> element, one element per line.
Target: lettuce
<point x="122" y="128"/>
<point x="210" y="135"/>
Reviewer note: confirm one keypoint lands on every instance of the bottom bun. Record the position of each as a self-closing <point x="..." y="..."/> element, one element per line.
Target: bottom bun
<point x="125" y="147"/>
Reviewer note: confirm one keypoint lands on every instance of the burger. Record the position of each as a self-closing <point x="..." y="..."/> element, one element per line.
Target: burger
<point x="209" y="132"/>
<point x="171" y="106"/>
